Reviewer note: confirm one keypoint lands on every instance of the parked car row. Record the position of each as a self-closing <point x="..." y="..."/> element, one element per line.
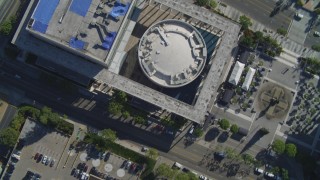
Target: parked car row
<point x="32" y="176"/>
<point x="81" y="171"/>
<point x="101" y="175"/>
<point x="44" y="159"/>
<point x="131" y="167"/>
<point x="269" y="175"/>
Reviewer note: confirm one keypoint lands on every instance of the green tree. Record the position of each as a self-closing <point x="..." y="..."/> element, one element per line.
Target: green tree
<point x="44" y="119"/>
<point x="182" y="176"/>
<point x="125" y="114"/>
<point x="224" y="124"/>
<point x="282" y="31"/>
<point x="164" y="170"/>
<point x="109" y="134"/>
<point x="245" y="22"/>
<point x="8" y="137"/>
<point x="115" y="108"/>
<point x="300" y="3"/>
<point x="278" y="146"/>
<point x="248" y="159"/>
<point x="247" y="41"/>
<point x="285" y="174"/>
<point x="317" y="11"/>
<point x="213" y="4"/>
<point x="258" y="36"/>
<point x="121" y="96"/>
<point x="291" y="150"/>
<point x="5" y="27"/>
<point x="152" y="153"/>
<point x="198" y="132"/>
<point x="139" y="119"/>
<point x="202" y="2"/>
<point x="17" y="122"/>
<point x="192" y="176"/>
<point x="234" y="129"/>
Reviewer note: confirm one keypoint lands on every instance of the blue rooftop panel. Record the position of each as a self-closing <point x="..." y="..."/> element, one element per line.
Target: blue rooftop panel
<point x="43" y="14"/>
<point x="119" y="9"/>
<point x="108" y="41"/>
<point x="76" y="43"/>
<point x="80" y="7"/>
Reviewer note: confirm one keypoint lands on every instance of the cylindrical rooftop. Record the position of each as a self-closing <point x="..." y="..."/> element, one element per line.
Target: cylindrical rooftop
<point x="172" y="53"/>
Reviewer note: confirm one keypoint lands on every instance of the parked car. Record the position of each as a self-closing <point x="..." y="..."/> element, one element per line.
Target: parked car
<point x="202" y="177"/>
<point x="73" y="171"/>
<point x="48" y="161"/>
<point x="317" y="33"/>
<point x="133" y="167"/>
<point x="124" y="164"/>
<point x="77" y="172"/>
<point x="103" y="155"/>
<point x="258" y="171"/>
<point x="15" y="156"/>
<point x="29" y="175"/>
<point x="40" y="158"/>
<point x="107" y="156"/>
<point x="52" y="162"/>
<point x="269" y="174"/>
<point x="128" y="164"/>
<point x="44" y="160"/>
<point x="85" y="168"/>
<point x="144" y="149"/>
<point x="36" y="156"/>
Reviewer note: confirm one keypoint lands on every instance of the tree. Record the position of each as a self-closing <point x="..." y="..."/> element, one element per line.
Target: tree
<point x="152" y="153"/>
<point x="278" y="146"/>
<point x="115" y="108"/>
<point x="139" y="119"/>
<point x="258" y="36"/>
<point x="192" y="176"/>
<point x="317" y="11"/>
<point x="202" y="2"/>
<point x="6" y="27"/>
<point x="248" y="159"/>
<point x="282" y="31"/>
<point x="164" y="170"/>
<point x="300" y="3"/>
<point x="120" y="96"/>
<point x="224" y="124"/>
<point x="109" y="134"/>
<point x="8" y="137"/>
<point x="198" y="132"/>
<point x="247" y="41"/>
<point x="245" y="22"/>
<point x="234" y="129"/>
<point x="213" y="4"/>
<point x="182" y="176"/>
<point x="125" y="114"/>
<point x="285" y="174"/>
<point x="291" y="150"/>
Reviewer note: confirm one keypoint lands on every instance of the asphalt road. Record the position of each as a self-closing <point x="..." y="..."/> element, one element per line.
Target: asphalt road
<point x="8" y="115"/>
<point x="260" y="10"/>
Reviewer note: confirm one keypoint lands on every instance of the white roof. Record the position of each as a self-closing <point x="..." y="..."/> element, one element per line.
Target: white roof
<point x="236" y="73"/>
<point x="248" y="79"/>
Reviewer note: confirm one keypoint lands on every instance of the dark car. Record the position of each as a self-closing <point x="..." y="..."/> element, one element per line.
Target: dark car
<point x="36" y="156"/>
<point x="138" y="168"/>
<point x="37" y="176"/>
<point x="85" y="168"/>
<point x="124" y="163"/>
<point x="29" y="175"/>
<point x="73" y="171"/>
<point x="93" y="171"/>
<point x="52" y="162"/>
<point x="81" y="166"/>
<point x="133" y="167"/>
<point x="40" y="158"/>
<point x="106" y="158"/>
<point x="10" y="169"/>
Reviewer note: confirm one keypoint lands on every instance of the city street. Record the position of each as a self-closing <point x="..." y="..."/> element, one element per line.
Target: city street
<point x="260" y="11"/>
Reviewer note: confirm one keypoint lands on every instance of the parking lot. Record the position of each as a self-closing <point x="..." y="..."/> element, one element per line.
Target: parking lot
<point x="105" y="165"/>
<point x="45" y="142"/>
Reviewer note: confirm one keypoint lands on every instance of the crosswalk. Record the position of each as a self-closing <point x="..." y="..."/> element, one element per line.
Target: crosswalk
<point x="287" y="44"/>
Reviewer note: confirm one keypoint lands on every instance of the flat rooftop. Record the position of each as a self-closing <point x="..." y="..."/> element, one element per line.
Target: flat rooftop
<point x="172" y="53"/>
<point x="228" y="31"/>
<point x="87" y="27"/>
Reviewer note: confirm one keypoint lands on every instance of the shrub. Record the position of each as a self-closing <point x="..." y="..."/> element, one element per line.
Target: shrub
<point x="291" y="150"/>
<point x="316" y="47"/>
<point x="198" y="132"/>
<point x="202" y="2"/>
<point x="234" y="129"/>
<point x="278" y="146"/>
<point x="224" y="124"/>
<point x="282" y="31"/>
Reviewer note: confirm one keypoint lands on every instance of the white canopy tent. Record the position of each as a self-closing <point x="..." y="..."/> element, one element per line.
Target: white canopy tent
<point x="236" y="73"/>
<point x="248" y="79"/>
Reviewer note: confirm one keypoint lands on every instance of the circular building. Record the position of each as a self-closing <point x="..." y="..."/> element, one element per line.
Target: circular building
<point x="172" y="53"/>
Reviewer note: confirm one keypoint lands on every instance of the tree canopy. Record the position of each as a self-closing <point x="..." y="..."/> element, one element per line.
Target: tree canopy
<point x="152" y="153"/>
<point x="165" y="170"/>
<point x="291" y="150"/>
<point x="278" y="146"/>
<point x="8" y="137"/>
<point x="224" y="124"/>
<point x="245" y="22"/>
<point x="109" y="134"/>
<point x="234" y="129"/>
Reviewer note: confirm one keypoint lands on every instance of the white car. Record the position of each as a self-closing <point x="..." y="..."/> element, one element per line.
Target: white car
<point x="202" y="177"/>
<point x="44" y="160"/>
<point x="269" y="174"/>
<point x="300" y="16"/>
<point x="260" y="171"/>
<point x="317" y="33"/>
